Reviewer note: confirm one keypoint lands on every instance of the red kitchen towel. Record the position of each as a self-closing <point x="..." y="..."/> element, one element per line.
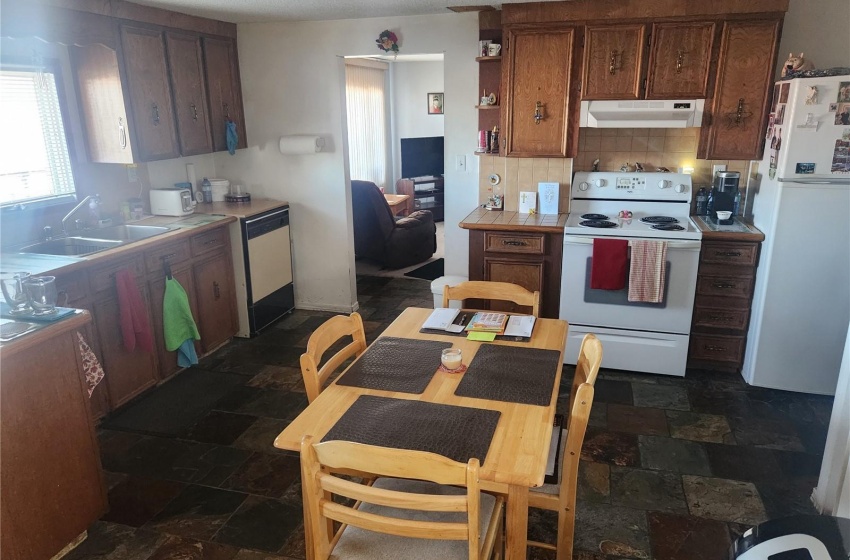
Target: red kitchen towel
<point x="646" y="273"/>
<point x="135" y="327"/>
<point x="608" y="265"/>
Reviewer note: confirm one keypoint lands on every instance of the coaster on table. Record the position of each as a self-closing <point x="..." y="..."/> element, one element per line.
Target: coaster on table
<point x="444" y="369"/>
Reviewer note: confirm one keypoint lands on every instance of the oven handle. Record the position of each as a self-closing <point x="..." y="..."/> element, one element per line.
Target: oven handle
<point x="583" y="240"/>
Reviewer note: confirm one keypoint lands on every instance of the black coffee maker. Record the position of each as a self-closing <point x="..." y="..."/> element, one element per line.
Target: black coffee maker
<point x="723" y="193"/>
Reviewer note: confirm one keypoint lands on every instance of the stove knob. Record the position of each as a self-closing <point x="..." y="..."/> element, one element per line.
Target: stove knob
<point x="663" y="184"/>
<point x="680" y="188"/>
<point x="583" y="186"/>
<point x="599" y="182"/>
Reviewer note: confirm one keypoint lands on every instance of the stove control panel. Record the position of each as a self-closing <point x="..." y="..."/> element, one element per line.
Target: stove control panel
<point x="655" y="186"/>
<point x="631" y="183"/>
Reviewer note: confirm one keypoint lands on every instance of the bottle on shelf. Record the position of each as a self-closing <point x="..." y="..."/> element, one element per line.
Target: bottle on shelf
<point x="736" y="207"/>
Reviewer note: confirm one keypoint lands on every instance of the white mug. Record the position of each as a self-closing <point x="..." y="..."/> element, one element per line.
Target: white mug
<point x="494" y="49"/>
<point x="485" y="100"/>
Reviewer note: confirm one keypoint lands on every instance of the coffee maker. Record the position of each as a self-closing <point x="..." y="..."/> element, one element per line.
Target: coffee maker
<point x="723" y="193"/>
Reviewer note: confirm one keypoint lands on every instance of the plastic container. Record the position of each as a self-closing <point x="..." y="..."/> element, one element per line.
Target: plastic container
<point x="220" y="187"/>
<point x="440" y="283"/>
<point x="736" y="208"/>
<point x="702" y="202"/>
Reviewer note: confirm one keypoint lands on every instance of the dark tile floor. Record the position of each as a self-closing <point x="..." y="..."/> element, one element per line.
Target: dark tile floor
<point x="672" y="469"/>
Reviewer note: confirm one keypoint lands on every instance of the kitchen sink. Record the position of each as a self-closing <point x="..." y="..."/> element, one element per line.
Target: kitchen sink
<point x="125" y="232"/>
<point x="71" y="246"/>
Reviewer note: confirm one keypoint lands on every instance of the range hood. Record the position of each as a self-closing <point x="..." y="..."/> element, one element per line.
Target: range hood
<point x="642" y="114"/>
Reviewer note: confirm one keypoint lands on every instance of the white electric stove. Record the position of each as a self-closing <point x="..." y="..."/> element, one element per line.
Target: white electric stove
<point x="636" y="336"/>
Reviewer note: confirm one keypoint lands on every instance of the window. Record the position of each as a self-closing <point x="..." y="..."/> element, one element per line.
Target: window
<point x="35" y="165"/>
<point x="365" y="94"/>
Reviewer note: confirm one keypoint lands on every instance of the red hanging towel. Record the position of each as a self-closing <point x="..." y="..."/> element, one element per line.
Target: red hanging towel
<point x="608" y="265"/>
<point x="135" y="327"/>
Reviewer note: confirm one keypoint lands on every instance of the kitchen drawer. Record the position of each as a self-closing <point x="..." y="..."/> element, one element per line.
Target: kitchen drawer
<point x="730" y="253"/>
<point x="497" y="242"/>
<point x="175" y="254"/>
<point x="718" y="318"/>
<point x="103" y="278"/>
<point x="723" y="302"/>
<point x="725" y="286"/>
<point x="210" y="241"/>
<point x="717" y="348"/>
<point x="71" y="288"/>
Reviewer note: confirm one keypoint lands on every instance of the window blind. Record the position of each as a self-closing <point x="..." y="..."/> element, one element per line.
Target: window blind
<point x="35" y="162"/>
<point x="365" y="96"/>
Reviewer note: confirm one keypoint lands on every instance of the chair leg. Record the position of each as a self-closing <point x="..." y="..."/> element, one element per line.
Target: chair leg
<point x="566" y="532"/>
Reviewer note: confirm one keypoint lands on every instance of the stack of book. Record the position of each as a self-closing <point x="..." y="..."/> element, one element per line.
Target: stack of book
<point x="487" y="322"/>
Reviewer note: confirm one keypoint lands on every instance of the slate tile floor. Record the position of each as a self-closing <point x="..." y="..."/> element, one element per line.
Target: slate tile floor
<point x="672" y="469"/>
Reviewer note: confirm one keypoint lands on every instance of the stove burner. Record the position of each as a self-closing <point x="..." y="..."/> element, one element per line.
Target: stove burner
<point x="594" y="217"/>
<point x="659" y="220"/>
<point x="597" y="224"/>
<point x="667" y="227"/>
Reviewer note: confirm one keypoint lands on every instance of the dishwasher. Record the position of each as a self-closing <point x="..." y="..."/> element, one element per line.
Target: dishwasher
<point x="264" y="284"/>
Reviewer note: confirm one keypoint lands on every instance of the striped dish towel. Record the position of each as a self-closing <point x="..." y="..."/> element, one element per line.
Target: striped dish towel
<point x="646" y="272"/>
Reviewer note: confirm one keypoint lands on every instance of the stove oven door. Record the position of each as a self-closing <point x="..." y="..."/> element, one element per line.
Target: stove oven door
<point x="636" y="336"/>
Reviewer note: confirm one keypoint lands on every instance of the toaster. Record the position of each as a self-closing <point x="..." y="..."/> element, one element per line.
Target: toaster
<point x="172" y="202"/>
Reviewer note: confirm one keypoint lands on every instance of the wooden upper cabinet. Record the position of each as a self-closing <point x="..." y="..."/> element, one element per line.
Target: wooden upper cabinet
<point x="738" y="114"/>
<point x="186" y="66"/>
<point x="150" y="93"/>
<point x="538" y="79"/>
<point x="679" y="60"/>
<point x="613" y="62"/>
<point x="225" y="91"/>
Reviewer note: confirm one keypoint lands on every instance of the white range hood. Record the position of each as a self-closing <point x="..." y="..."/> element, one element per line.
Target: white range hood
<point x="642" y="114"/>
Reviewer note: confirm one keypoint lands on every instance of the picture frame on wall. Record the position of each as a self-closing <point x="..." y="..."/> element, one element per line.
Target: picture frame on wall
<point x="435" y="103"/>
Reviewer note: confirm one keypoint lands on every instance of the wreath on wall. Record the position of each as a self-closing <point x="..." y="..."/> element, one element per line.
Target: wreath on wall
<point x="387" y="41"/>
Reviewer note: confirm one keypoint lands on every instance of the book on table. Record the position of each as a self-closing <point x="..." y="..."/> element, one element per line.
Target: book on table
<point x="488" y="321"/>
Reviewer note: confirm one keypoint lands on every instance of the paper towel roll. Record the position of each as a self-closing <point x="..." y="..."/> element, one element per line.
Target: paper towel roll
<point x="301" y="144"/>
<point x="190" y="175"/>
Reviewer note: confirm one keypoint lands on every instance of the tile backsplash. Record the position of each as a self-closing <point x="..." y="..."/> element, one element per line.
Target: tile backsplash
<point x="652" y="147"/>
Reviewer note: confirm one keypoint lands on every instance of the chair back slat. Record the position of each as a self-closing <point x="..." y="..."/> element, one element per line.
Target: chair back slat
<point x="391" y="498"/>
<point x="323" y="338"/>
<point x="394" y="526"/>
<point x="500" y="291"/>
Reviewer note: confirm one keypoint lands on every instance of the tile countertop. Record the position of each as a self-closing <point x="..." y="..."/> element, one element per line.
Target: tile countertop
<point x="37" y="264"/>
<point x="736" y="231"/>
<point x="500" y="220"/>
<point x="240" y="209"/>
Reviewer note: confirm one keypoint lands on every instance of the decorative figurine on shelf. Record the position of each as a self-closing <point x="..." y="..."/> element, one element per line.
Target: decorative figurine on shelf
<point x="796" y="64"/>
<point x="625" y="168"/>
<point x="387" y="41"/>
<point x="638" y="167"/>
<point x="595" y="165"/>
<point x="662" y="169"/>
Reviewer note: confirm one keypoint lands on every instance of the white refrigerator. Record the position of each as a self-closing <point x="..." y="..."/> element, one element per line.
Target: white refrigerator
<point x="801" y="303"/>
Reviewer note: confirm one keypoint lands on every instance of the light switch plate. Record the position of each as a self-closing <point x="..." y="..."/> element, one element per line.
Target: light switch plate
<point x="460" y="163"/>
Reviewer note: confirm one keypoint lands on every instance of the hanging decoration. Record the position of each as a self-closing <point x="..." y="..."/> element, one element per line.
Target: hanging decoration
<point x="387" y="41"/>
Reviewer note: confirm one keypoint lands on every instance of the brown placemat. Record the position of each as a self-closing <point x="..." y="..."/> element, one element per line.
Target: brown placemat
<point x="511" y="374"/>
<point x="396" y="364"/>
<point x="457" y="432"/>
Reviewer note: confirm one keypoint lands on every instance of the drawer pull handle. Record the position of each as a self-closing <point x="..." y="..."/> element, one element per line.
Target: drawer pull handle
<point x="514" y="243"/>
<point x="211" y="242"/>
<point x="723" y="286"/>
<point x="216" y="290"/>
<point x="712" y="348"/>
<point x="168" y="257"/>
<point x="194" y="111"/>
<point x="728" y="253"/>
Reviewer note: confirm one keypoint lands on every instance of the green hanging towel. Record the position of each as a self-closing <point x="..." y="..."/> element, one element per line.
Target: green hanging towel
<point x="178" y="325"/>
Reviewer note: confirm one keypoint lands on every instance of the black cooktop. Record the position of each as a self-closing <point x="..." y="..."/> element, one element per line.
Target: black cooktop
<point x="659" y="220"/>
<point x="594" y="217"/>
<point x="597" y="224"/>
<point x="667" y="227"/>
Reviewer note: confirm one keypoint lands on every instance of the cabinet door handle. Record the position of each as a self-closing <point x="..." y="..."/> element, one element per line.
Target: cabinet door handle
<point x="211" y="242"/>
<point x="719" y="318"/>
<point x="168" y="257"/>
<point x="155" y="111"/>
<point x="514" y="243"/>
<point x="712" y="348"/>
<point x="216" y="290"/>
<point x="194" y="112"/>
<point x="122" y="134"/>
<point x="226" y="111"/>
<point x="723" y="286"/>
<point x="680" y="60"/>
<point x="727" y="253"/>
<point x="612" y="62"/>
<point x="538" y="112"/>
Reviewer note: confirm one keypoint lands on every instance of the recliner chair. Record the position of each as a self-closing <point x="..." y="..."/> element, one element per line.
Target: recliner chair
<point x="378" y="236"/>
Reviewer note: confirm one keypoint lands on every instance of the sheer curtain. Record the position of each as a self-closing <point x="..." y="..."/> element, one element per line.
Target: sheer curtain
<point x="366" y="101"/>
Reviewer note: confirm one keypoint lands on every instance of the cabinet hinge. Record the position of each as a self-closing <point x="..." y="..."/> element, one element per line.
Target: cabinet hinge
<point x="579" y="87"/>
<point x="649" y="39"/>
<point x="643" y="87"/>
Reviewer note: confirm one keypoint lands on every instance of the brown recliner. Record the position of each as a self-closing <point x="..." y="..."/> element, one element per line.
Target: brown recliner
<point x="378" y="236"/>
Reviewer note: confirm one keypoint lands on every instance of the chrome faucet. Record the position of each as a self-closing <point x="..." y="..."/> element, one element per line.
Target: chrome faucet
<point x="82" y="204"/>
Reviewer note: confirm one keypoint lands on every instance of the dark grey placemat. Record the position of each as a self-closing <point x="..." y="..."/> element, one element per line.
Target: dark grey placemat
<point x="511" y="374"/>
<point x="396" y="364"/>
<point x="457" y="432"/>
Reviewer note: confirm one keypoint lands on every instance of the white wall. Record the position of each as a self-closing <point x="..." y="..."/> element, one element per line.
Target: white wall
<point x="411" y="84"/>
<point x="292" y="83"/>
<point x="818" y="28"/>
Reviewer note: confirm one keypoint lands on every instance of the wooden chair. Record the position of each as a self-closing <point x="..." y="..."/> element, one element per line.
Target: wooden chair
<point x="561" y="497"/>
<point x="323" y="338"/>
<point x="431" y="522"/>
<point x="501" y="291"/>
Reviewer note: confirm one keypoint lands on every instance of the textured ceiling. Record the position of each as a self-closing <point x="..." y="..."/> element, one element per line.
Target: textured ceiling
<point x="244" y="11"/>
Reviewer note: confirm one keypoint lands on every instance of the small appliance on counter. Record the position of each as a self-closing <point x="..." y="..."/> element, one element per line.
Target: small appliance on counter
<point x="723" y="195"/>
<point x="172" y="202"/>
<point x="237" y="194"/>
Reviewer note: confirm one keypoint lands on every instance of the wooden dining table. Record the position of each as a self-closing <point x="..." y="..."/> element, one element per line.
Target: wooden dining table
<point x="516" y="460"/>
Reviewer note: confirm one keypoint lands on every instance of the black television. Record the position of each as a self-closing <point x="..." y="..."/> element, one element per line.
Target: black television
<point x="421" y="157"/>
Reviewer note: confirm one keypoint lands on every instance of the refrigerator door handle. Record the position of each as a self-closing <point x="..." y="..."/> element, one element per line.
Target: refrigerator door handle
<point x="801" y="181"/>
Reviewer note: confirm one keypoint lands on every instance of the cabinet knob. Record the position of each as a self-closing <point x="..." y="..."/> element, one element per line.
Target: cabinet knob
<point x="723" y="286"/>
<point x="216" y="290"/>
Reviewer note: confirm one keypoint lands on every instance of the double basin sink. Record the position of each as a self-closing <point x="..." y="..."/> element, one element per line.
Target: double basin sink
<point x="93" y="241"/>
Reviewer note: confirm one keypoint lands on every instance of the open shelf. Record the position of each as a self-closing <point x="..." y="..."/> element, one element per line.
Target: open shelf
<point x="486" y="107"/>
<point x="488" y="58"/>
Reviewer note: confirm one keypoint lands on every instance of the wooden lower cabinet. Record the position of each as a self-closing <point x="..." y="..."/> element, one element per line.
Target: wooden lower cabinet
<point x="52" y="484"/>
<point x="168" y="360"/>
<point x="722" y="304"/>
<point x="531" y="260"/>
<point x="216" y="301"/>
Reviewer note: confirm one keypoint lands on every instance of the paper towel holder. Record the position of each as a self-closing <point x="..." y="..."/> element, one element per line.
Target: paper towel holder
<point x="301" y="144"/>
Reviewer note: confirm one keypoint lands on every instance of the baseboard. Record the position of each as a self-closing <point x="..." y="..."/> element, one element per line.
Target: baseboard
<point x="332" y="308"/>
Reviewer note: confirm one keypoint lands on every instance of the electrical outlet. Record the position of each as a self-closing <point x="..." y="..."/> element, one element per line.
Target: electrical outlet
<point x="460" y="163"/>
